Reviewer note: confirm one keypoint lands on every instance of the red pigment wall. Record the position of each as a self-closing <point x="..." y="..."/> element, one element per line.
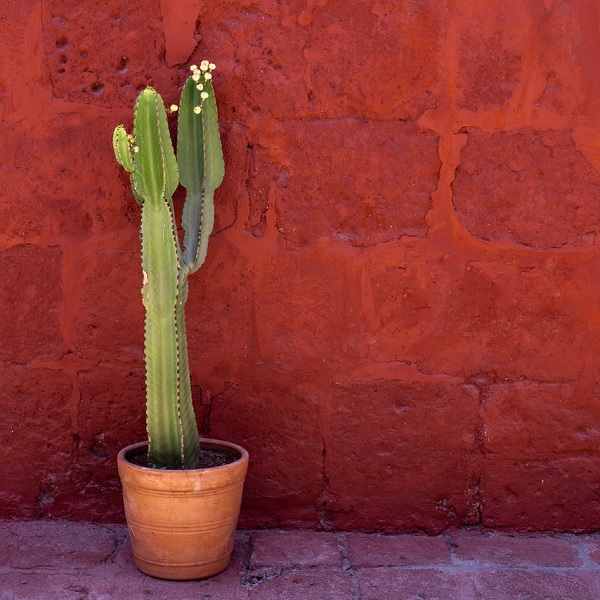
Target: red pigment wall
<point x="400" y="309"/>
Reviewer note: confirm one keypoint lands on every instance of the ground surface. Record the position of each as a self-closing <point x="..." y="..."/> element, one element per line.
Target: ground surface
<point x="79" y="561"/>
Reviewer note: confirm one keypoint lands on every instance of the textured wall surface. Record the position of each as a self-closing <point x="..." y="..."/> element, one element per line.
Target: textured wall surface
<point x="399" y="315"/>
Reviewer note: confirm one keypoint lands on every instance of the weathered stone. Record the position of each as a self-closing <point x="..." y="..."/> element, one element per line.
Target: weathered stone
<point x="36" y="460"/>
<point x="433" y="584"/>
<point x="378" y="190"/>
<point x="380" y="434"/>
<point x="107" y="321"/>
<point x="530" y="188"/>
<point x="384" y="64"/>
<point x="104" y="58"/>
<point x="31" y="299"/>
<point x="294" y="550"/>
<point x="285" y="474"/>
<point x="506" y="319"/>
<point x="41" y="545"/>
<point x="541" y="421"/>
<point x="536" y="495"/>
<point x="388" y="551"/>
<point x="514" y="550"/>
<point x="507" y="585"/>
<point x="313" y="584"/>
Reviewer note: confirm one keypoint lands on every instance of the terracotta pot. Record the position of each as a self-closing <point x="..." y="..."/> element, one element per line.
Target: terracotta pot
<point x="182" y="523"/>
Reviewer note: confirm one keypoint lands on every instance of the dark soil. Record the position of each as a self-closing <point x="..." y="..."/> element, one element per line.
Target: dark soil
<point x="209" y="457"/>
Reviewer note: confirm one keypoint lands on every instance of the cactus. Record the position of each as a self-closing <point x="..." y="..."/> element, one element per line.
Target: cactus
<point x="155" y="171"/>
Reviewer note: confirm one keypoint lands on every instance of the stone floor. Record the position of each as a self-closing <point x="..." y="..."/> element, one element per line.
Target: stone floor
<point x="79" y="561"/>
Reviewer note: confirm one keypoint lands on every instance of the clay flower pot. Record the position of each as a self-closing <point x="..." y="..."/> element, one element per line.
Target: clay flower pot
<point x="182" y="522"/>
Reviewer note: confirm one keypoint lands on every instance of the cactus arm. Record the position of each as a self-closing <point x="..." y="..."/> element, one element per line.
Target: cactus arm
<point x="155" y="174"/>
<point x="201" y="165"/>
<point x="122" y="147"/>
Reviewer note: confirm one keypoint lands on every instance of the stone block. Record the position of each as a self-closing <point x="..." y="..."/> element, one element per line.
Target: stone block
<point x="528" y="585"/>
<point x="544" y="195"/>
<point x="504" y="320"/>
<point x="390" y="551"/>
<point x="220" y="318"/>
<point x="508" y="550"/>
<point x="414" y="584"/>
<point x="46" y="544"/>
<point x="31" y="300"/>
<point x="106" y="58"/>
<point x="293" y="550"/>
<point x="370" y="60"/>
<point x="399" y="455"/>
<point x="376" y="191"/>
<point x="108" y="317"/>
<point x="37" y="459"/>
<point x="559" y="495"/>
<point x="541" y="421"/>
<point x="66" y="190"/>
<point x="280" y="430"/>
<point x="307" y="312"/>
<point x="313" y="584"/>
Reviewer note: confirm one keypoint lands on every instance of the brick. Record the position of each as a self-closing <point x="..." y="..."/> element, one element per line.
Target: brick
<point x="294" y="549"/>
<point x="384" y="551"/>
<point x="415" y="584"/>
<point x="532" y="585"/>
<point x="316" y="584"/>
<point x="515" y="550"/>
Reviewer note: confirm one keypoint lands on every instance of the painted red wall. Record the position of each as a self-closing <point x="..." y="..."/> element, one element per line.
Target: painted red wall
<point x="400" y="310"/>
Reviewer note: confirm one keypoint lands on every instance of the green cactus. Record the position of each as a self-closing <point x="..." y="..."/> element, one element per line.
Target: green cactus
<point x="155" y="172"/>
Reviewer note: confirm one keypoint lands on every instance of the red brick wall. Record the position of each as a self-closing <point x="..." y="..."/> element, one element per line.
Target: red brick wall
<point x="399" y="313"/>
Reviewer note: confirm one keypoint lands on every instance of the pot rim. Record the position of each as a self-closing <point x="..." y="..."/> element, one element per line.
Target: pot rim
<point x="243" y="457"/>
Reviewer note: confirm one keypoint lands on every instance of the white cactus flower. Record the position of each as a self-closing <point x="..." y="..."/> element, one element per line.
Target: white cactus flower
<point x="197" y="109"/>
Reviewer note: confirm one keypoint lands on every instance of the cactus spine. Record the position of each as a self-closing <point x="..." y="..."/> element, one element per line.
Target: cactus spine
<point x="155" y="173"/>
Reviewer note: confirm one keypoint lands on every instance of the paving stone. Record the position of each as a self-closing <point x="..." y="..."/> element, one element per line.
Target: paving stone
<point x="591" y="547"/>
<point x="532" y="585"/>
<point x="314" y="584"/>
<point x="45" y="544"/>
<point x="294" y="549"/>
<point x="114" y="586"/>
<point x="417" y="584"/>
<point x="513" y="550"/>
<point x="382" y="551"/>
